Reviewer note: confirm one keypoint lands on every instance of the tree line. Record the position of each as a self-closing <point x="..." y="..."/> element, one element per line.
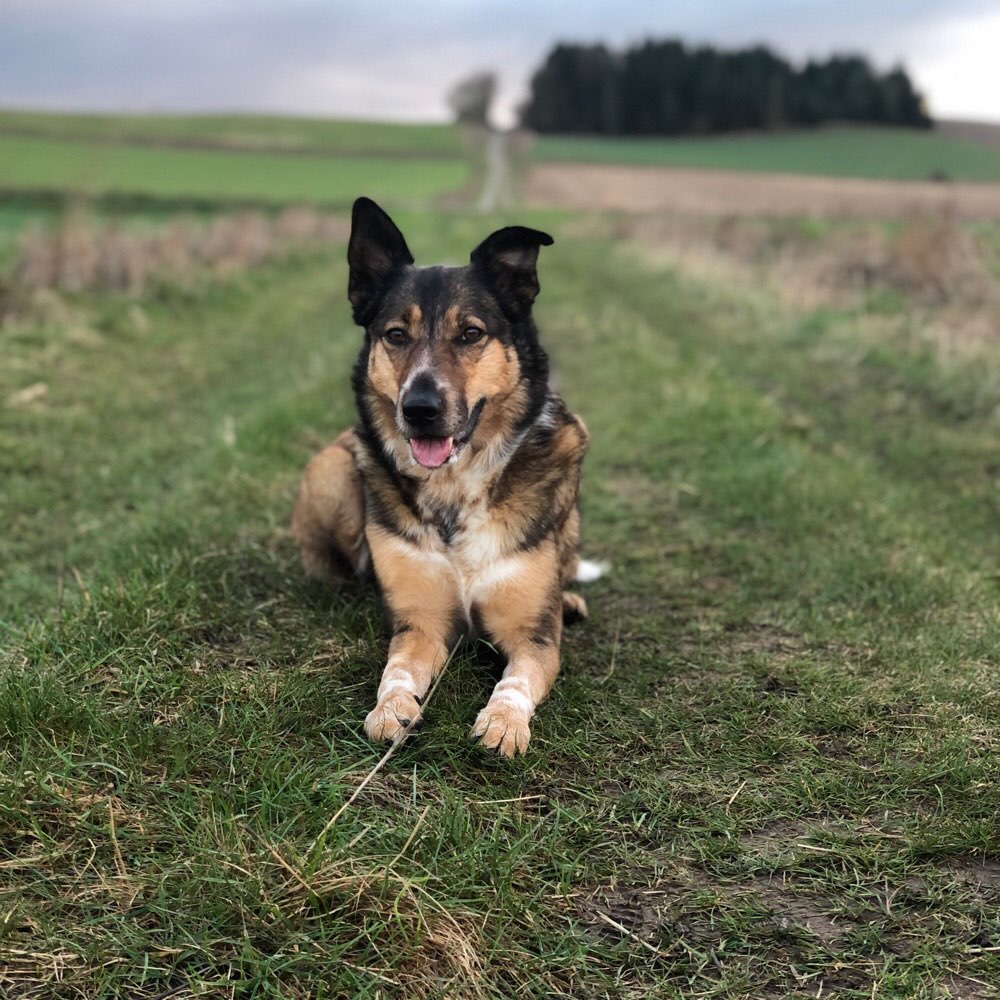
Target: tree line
<point x="667" y="88"/>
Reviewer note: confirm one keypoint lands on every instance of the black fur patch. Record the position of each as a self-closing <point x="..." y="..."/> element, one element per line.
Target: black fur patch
<point x="447" y="524"/>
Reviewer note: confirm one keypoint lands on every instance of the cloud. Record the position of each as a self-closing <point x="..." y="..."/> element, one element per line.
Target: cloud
<point x="957" y="67"/>
<point x="390" y="60"/>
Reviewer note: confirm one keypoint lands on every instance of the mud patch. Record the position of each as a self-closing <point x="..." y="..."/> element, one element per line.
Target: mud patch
<point x="772" y="685"/>
<point x="793" y="913"/>
<point x="966" y="988"/>
<point x="683" y="912"/>
<point x="740" y="640"/>
<point x="644" y="911"/>
<point x="982" y="876"/>
<point x="785" y="836"/>
<point x="764" y="639"/>
<point x="676" y="917"/>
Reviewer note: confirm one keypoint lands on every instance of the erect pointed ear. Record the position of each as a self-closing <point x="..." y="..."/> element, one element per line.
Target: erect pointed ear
<point x="507" y="260"/>
<point x="376" y="252"/>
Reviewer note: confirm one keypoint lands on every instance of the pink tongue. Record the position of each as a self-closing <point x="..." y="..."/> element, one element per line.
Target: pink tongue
<point x="431" y="452"/>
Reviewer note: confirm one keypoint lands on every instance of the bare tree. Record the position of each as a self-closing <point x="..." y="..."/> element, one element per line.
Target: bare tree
<point x="470" y="99"/>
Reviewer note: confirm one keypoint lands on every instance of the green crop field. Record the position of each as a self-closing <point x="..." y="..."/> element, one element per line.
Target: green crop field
<point x="28" y="163"/>
<point x="769" y="769"/>
<point x="260" y="132"/>
<point x="891" y="154"/>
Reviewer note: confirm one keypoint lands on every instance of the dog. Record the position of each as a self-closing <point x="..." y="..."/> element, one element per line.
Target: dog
<point x="459" y="486"/>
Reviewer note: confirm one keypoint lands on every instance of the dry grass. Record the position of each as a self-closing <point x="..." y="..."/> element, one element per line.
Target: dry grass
<point x="11" y="300"/>
<point x="434" y="948"/>
<point x="932" y="263"/>
<point x="81" y="254"/>
<point x="931" y="259"/>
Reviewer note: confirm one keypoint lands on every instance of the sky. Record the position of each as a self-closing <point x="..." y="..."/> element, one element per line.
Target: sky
<point x="397" y="60"/>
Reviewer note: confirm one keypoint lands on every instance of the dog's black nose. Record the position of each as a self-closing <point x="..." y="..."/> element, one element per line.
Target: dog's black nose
<point x="422" y="404"/>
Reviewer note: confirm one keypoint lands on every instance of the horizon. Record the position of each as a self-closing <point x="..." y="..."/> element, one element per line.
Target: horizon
<point x="429" y="123"/>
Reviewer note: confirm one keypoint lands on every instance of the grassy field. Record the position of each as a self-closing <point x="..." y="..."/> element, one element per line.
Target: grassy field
<point x="28" y="163"/>
<point x="260" y="132"/>
<point x="769" y="769"/>
<point x="890" y="154"/>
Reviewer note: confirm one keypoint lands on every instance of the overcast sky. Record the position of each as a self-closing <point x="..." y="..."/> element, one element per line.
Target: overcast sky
<point x="396" y="59"/>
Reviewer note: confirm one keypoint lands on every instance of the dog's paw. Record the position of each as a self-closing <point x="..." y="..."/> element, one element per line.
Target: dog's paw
<point x="390" y="717"/>
<point x="503" y="727"/>
<point x="574" y="607"/>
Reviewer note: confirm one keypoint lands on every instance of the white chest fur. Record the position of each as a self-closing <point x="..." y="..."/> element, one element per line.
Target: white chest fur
<point x="472" y="543"/>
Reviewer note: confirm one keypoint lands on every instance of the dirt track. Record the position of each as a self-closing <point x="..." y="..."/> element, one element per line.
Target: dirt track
<point x="728" y="193"/>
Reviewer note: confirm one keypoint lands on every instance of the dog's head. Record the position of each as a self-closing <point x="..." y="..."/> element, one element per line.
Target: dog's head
<point x="450" y="352"/>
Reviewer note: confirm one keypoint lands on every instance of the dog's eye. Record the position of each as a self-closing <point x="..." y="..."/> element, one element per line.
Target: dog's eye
<point x="396" y="336"/>
<point x="470" y="335"/>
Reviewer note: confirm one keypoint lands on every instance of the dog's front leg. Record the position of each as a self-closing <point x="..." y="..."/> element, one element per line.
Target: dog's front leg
<point x="421" y="595"/>
<point x="524" y="617"/>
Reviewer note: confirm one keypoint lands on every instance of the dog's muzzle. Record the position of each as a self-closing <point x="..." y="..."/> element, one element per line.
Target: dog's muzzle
<point x="423" y="409"/>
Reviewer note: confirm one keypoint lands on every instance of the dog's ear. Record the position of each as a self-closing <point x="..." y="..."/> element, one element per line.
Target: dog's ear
<point x="507" y="260"/>
<point x="376" y="252"/>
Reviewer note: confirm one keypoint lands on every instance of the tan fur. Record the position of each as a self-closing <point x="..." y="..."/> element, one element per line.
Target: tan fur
<point x="328" y="521"/>
<point x="509" y="612"/>
<point x="383" y="373"/>
<point x="492" y="375"/>
<point x="422" y="600"/>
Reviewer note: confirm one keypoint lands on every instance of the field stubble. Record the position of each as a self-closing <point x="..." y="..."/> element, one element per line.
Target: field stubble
<point x="727" y="193"/>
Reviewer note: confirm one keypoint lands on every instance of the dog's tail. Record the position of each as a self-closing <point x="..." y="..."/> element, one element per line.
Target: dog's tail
<point x="588" y="571"/>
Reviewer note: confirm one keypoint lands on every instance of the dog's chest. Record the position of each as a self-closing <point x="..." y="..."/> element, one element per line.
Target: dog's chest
<point x="462" y="525"/>
<point x="470" y="534"/>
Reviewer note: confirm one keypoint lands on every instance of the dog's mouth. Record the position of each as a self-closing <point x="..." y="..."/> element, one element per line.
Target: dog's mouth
<point x="430" y="452"/>
<point x="433" y="452"/>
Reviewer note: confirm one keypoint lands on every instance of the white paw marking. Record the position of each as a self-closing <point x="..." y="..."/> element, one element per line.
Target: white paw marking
<point x="390" y="717"/>
<point x="501" y="727"/>
<point x="516" y="692"/>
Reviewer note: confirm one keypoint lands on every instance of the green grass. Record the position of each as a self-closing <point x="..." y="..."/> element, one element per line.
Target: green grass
<point x="889" y="154"/>
<point x="260" y="132"/>
<point x="94" y="169"/>
<point x="771" y="757"/>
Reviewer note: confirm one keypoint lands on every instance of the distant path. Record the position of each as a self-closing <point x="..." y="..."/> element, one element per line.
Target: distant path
<point x="498" y="188"/>
<point x="725" y="193"/>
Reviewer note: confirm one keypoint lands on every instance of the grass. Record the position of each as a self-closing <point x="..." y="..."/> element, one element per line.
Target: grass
<point x="32" y="164"/>
<point x="770" y="764"/>
<point x="888" y="154"/>
<point x="14" y="218"/>
<point x="248" y="132"/>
